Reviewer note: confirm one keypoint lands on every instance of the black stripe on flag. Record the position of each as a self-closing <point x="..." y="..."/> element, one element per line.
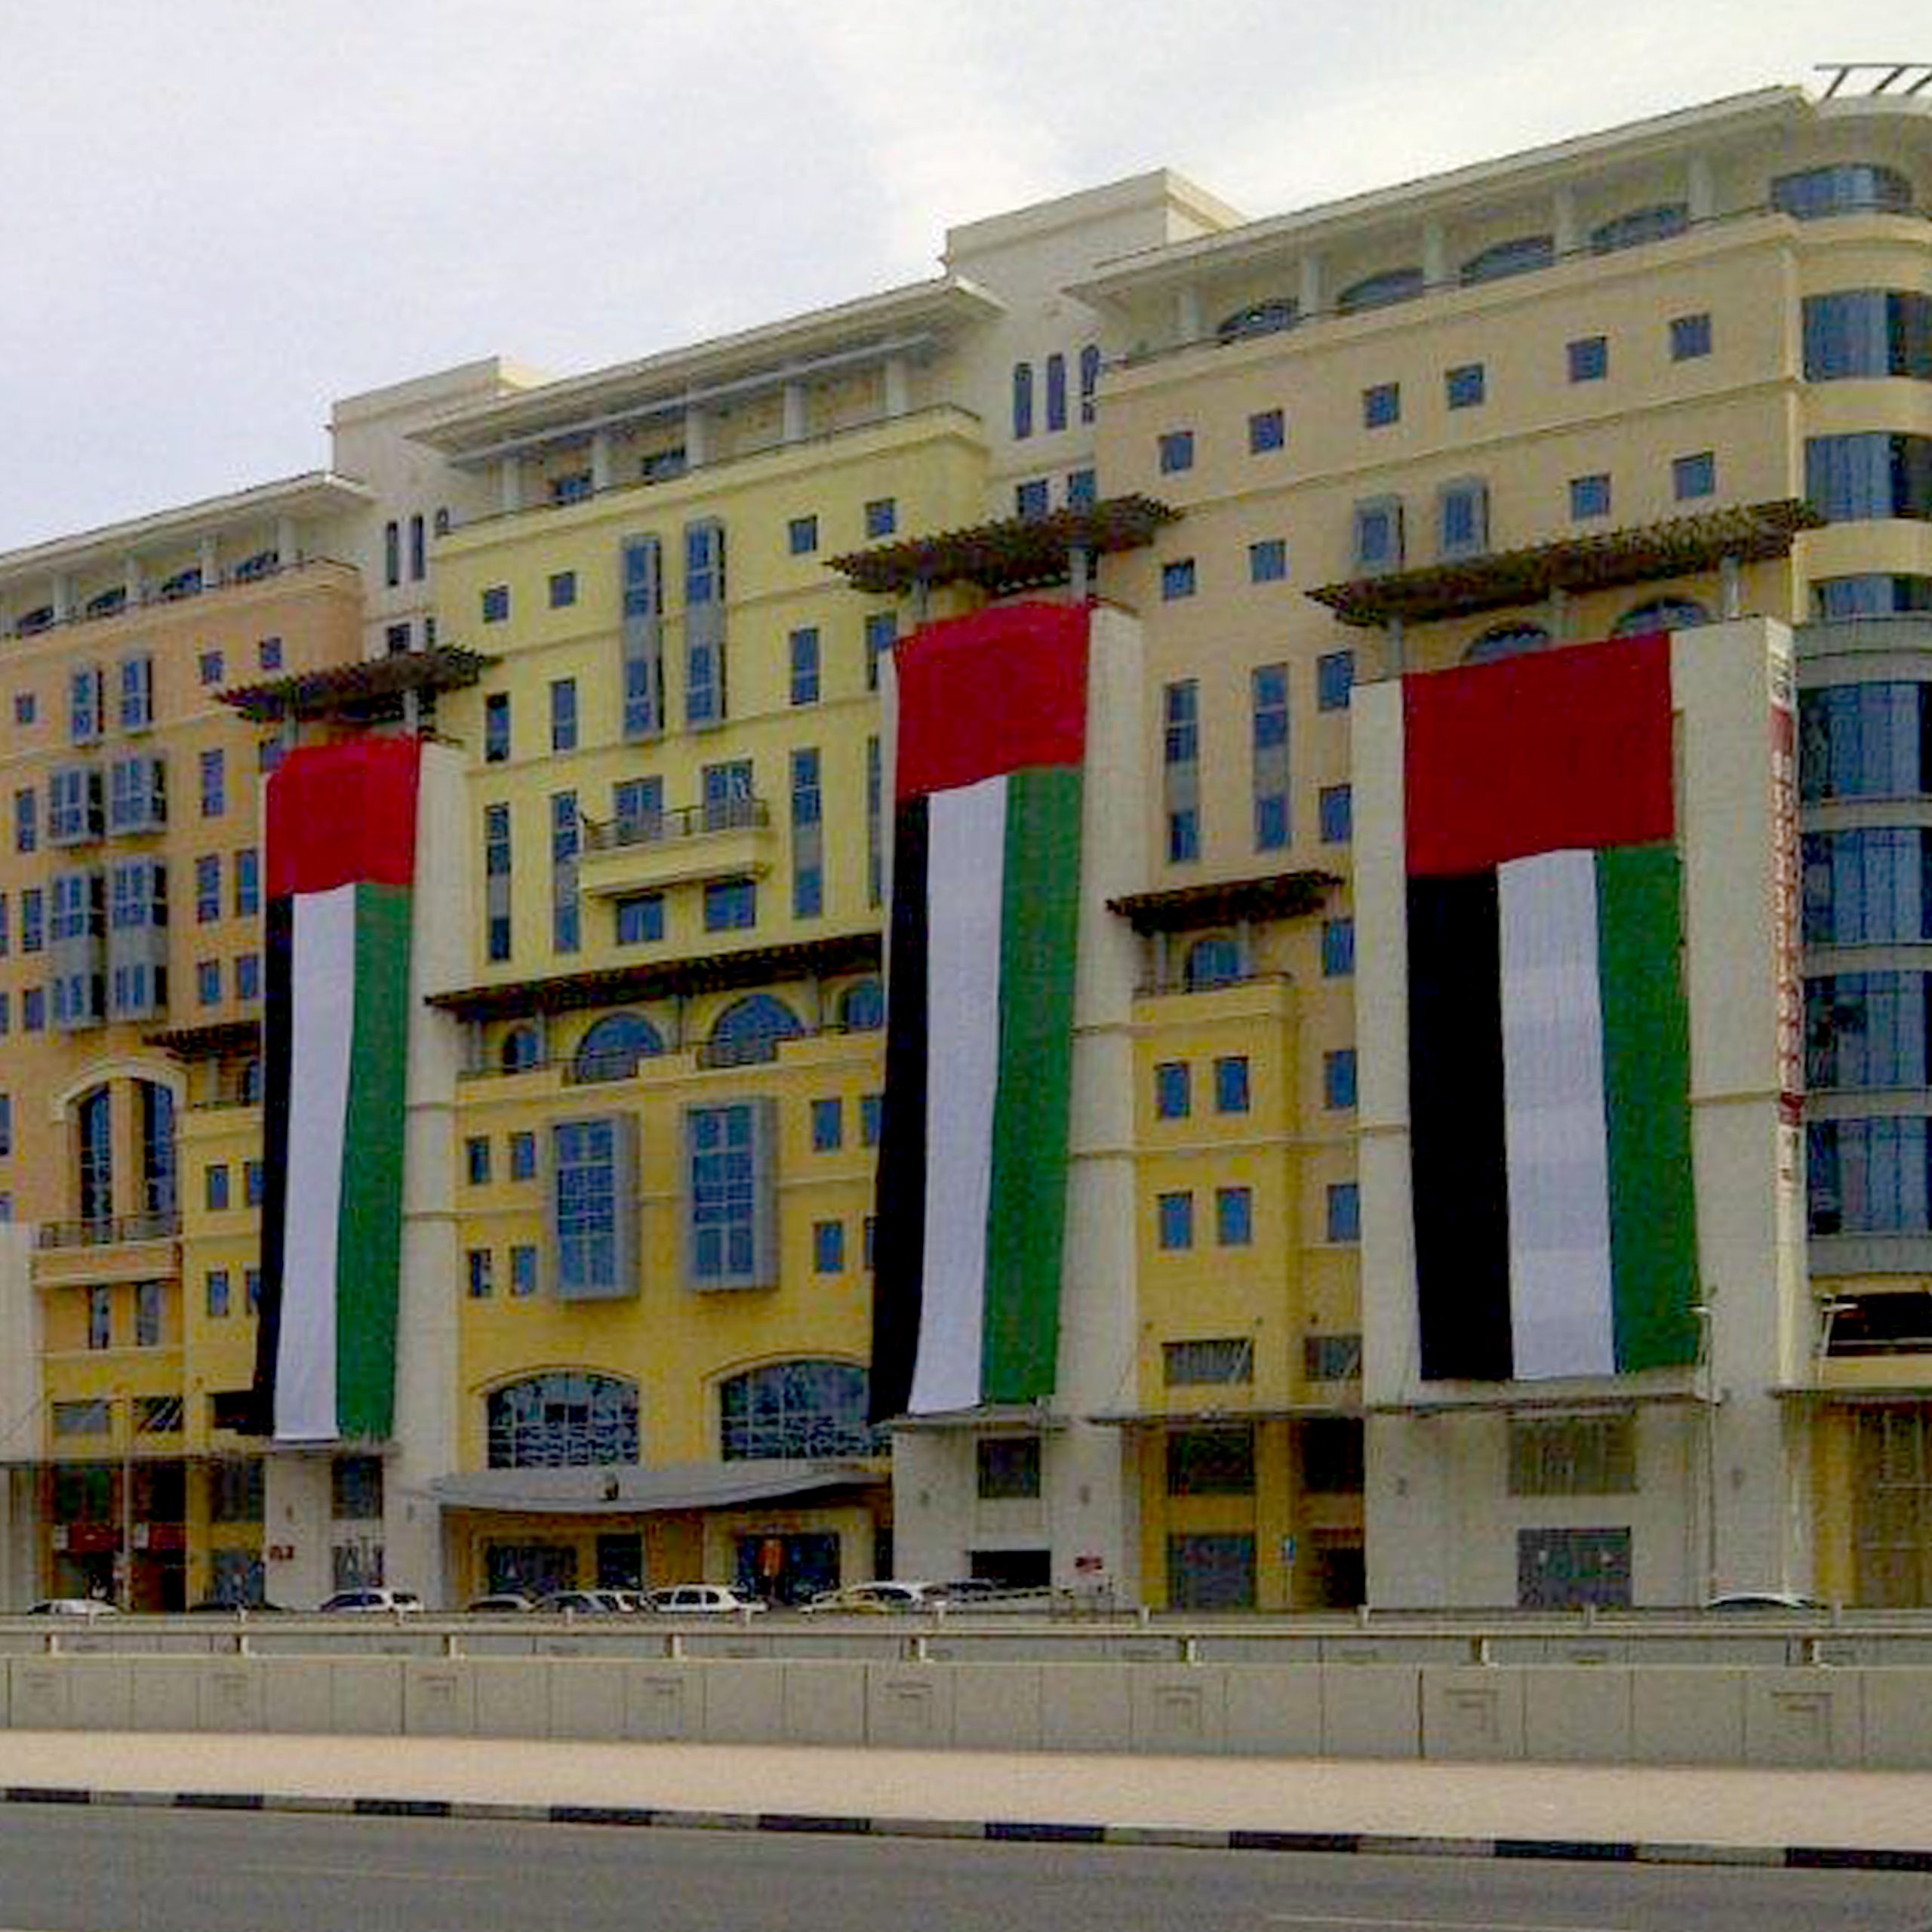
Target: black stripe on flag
<point x="899" y="1238"/>
<point x="278" y="945"/>
<point x="1459" y="1167"/>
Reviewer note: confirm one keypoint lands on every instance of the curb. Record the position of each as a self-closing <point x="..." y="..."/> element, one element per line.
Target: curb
<point x="1003" y="1831"/>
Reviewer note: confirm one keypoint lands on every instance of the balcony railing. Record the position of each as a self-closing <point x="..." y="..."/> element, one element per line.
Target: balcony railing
<point x="685" y="822"/>
<point x="109" y="1230"/>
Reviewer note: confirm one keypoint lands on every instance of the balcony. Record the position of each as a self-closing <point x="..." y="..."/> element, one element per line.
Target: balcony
<point x="722" y="838"/>
<point x="118" y="1248"/>
<point x="109" y="1231"/>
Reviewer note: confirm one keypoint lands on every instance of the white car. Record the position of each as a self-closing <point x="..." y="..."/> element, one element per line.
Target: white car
<point x="74" y="1607"/>
<point x="371" y="1600"/>
<point x="878" y="1598"/>
<point x="702" y="1600"/>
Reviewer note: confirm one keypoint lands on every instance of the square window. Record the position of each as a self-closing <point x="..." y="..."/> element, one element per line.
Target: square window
<point x="828" y="1248"/>
<point x="1337" y="813"/>
<point x="641" y="919"/>
<point x="1231" y="1087"/>
<point x="1689" y="336"/>
<point x="1176" y="451"/>
<point x="214" y="1187"/>
<point x="1378" y="535"/>
<point x="882" y="516"/>
<point x="478" y="1259"/>
<point x="1344" y="1211"/>
<point x="523" y="1156"/>
<point x="1338" y="948"/>
<point x="1464" y="387"/>
<point x="1267" y="430"/>
<point x="1338" y="1079"/>
<point x="730" y="905"/>
<point x="396" y="639"/>
<point x="563" y="590"/>
<point x="1083" y="487"/>
<point x="496" y="604"/>
<point x="1462" y="518"/>
<point x="828" y="1125"/>
<point x="1172" y="1098"/>
<point x="1381" y="404"/>
<point x="1031" y="499"/>
<point x="268" y="654"/>
<point x="1588" y="358"/>
<point x="1007" y="1469"/>
<point x="523" y="1272"/>
<point x="801" y="536"/>
<point x="1693" y="476"/>
<point x="476" y="1160"/>
<point x="23" y="707"/>
<point x="871" y="1112"/>
<point x="1589" y="496"/>
<point x="210" y="667"/>
<point x="1334" y="679"/>
<point x="1176" y="1212"/>
<point x="1177" y="579"/>
<point x="1234" y="1216"/>
<point x="1268" y="561"/>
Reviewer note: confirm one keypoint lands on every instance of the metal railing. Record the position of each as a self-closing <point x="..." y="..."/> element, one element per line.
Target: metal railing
<point x="109" y="1231"/>
<point x="682" y="821"/>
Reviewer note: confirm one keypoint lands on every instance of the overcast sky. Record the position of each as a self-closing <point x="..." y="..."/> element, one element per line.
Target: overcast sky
<point x="219" y="214"/>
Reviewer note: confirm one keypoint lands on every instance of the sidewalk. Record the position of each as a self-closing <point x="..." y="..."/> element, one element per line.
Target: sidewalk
<point x="1691" y="1814"/>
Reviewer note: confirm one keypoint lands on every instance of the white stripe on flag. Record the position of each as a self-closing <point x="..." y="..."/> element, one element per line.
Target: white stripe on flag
<point x="1560" y="1315"/>
<point x="322" y="976"/>
<point x="966" y="863"/>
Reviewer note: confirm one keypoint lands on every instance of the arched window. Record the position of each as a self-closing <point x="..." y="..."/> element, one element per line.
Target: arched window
<point x="612" y="1048"/>
<point x="155" y="1107"/>
<point x="1850" y="187"/>
<point x="1506" y="640"/>
<point x="1660" y="614"/>
<point x="861" y="1007"/>
<point x="1213" y="961"/>
<point x="792" y="1409"/>
<point x="1635" y="227"/>
<point x="520" y="1050"/>
<point x="750" y="1029"/>
<point x="94" y="1123"/>
<point x="1517" y="257"/>
<point x="569" y="1419"/>
<point x="1268" y="317"/>
<point x="1377" y="291"/>
<point x="1022" y="399"/>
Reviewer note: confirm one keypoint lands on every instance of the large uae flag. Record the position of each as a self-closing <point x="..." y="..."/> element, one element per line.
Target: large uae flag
<point x="1549" y="1036"/>
<point x="341" y="863"/>
<point x="991" y="723"/>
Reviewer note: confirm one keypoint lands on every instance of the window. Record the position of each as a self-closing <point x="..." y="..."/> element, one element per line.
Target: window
<point x="569" y="1419"/>
<point x="1181" y="753"/>
<point x="804" y="666"/>
<point x="1176" y="451"/>
<point x="248" y="975"/>
<point x="563" y="590"/>
<point x="613" y="1048"/>
<point x="93" y="1417"/>
<point x="150" y="1308"/>
<point x="33" y="1009"/>
<point x="521" y="1048"/>
<point x="1868" y="1176"/>
<point x="1848" y="188"/>
<point x="395" y="638"/>
<point x="1172" y="1096"/>
<point x="215" y="784"/>
<point x="1868" y="332"/>
<point x="882" y="516"/>
<point x="1378" y="535"/>
<point x="1234" y="1216"/>
<point x="638" y="806"/>
<point x="23" y="707"/>
<point x="874" y="823"/>
<point x="214" y="1285"/>
<point x="208" y="667"/>
<point x="1336" y="814"/>
<point x="476" y="1160"/>
<point x="828" y="1248"/>
<point x="1268" y="317"/>
<point x="731" y="1204"/>
<point x="1216" y="1363"/>
<point x="100" y="1317"/>
<point x="496" y="603"/>
<point x="641" y="567"/>
<point x="1090" y="380"/>
<point x="1589" y="496"/>
<point x="1083" y="488"/>
<point x="1690" y="336"/>
<point x="641" y="919"/>
<point x="1378" y="291"/>
<point x="1867" y="740"/>
<point x="1174" y="1217"/>
<point x="1869" y="474"/>
<point x="730" y="905"/>
<point x="1268" y="696"/>
<point x="392" y="554"/>
<point x="1334" y="679"/>
<point x="1338" y="948"/>
<point x="479" y="1264"/>
<point x="573" y="486"/>
<point x="26" y="821"/>
<point x="85" y="704"/>
<point x="1692" y="476"/>
<point x="253" y="1183"/>
<point x="1344" y="1217"/>
<point x="215" y="1187"/>
<point x="1212" y="962"/>
<point x="32" y="919"/>
<point x="1381" y="404"/>
<point x="705" y="695"/>
<point x="1462" y="518"/>
<point x="137" y="693"/>
<point x="247" y="883"/>
<point x="1873" y="595"/>
<point x="1022" y="401"/>
<point x="1588" y="358"/>
<point x="593" y="1207"/>
<point x="207" y="982"/>
<point x="1032" y="498"/>
<point x="523" y="1155"/>
<point x="871" y="1114"/>
<point x="881" y="634"/>
<point x="861" y="1007"/>
<point x="795" y="1411"/>
<point x="801" y="536"/>
<point x="137" y="795"/>
<point x="1267" y="430"/>
<point x="1866" y="1031"/>
<point x="1338" y="1079"/>
<point x="1007" y="1469"/>
<point x="1210" y="1461"/>
<point x="828" y="1125"/>
<point x="1518" y="255"/>
<point x="496" y="879"/>
<point x="1463" y="386"/>
<point x="1055" y="392"/>
<point x="208" y="888"/>
<point x="1331" y="1357"/>
<point x="1268" y="561"/>
<point x="1573" y="1456"/>
<point x="268" y="653"/>
<point x="563" y="715"/>
<point x="1638" y="226"/>
<point x="1177" y="579"/>
<point x="1231" y="1085"/>
<point x="566" y="836"/>
<point x="523" y="1272"/>
<point x="73" y="805"/>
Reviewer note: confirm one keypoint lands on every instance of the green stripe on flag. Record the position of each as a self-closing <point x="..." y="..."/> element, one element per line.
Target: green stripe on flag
<point x="1026" y="1222"/>
<point x="1647" y="1097"/>
<point x="368" y="1266"/>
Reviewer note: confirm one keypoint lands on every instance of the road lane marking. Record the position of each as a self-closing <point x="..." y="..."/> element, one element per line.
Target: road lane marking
<point x="1431" y="1924"/>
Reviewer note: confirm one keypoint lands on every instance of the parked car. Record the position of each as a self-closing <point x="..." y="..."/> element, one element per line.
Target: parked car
<point x="581" y="1603"/>
<point x="703" y="1600"/>
<point x="74" y="1607"/>
<point x="230" y="1607"/>
<point x="880" y="1597"/>
<point x="1768" y="1600"/>
<point x="367" y="1600"/>
<point x="513" y="1602"/>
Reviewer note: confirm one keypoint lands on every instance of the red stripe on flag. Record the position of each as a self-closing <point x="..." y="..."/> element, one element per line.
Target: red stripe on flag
<point x="342" y="814"/>
<point x="1005" y="690"/>
<point x="1565" y="749"/>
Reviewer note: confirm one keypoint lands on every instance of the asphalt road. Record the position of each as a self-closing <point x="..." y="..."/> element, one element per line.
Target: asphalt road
<point x="65" y="1870"/>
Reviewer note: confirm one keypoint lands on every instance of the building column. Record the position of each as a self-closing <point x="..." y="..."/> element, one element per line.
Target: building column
<point x="898" y="385"/>
<point x="1187" y="313"/>
<point x="1563" y="222"/>
<point x="1434" y="255"/>
<point x="1700" y="189"/>
<point x="210" y="562"/>
<point x="131" y="577"/>
<point x="794" y="412"/>
<point x="600" y="460"/>
<point x="286" y="552"/>
<point x="1309" y="278"/>
<point x="697" y="442"/>
<point x="61" y="596"/>
<point x="509" y="485"/>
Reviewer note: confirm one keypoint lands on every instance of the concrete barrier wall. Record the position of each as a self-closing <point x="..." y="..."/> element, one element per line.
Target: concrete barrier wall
<point x="1611" y="1713"/>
